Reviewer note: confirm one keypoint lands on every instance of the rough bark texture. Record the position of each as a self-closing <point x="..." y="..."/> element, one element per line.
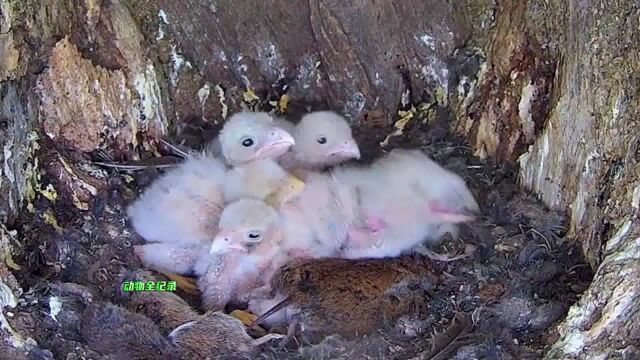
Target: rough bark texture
<point x="587" y="159"/>
<point x="567" y="76"/>
<point x="552" y="85"/>
<point x="321" y="55"/>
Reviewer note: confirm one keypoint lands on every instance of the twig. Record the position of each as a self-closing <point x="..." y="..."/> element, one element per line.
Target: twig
<point x="440" y="257"/>
<point x="132" y="167"/>
<point x="174" y="148"/>
<point x="455" y="336"/>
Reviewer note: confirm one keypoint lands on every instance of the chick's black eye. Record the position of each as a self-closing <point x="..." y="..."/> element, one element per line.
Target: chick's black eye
<point x="322" y="140"/>
<point x="248" y="142"/>
<point x="253" y="238"/>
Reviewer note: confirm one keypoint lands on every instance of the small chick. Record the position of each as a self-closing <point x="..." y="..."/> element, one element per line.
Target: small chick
<point x="180" y="210"/>
<point x="250" y="142"/>
<point x="347" y="213"/>
<point x="316" y="223"/>
<point x="243" y="254"/>
<point x="348" y="297"/>
<point x="323" y="138"/>
<point x="426" y="201"/>
<point x="249" y="136"/>
<point x="167" y="258"/>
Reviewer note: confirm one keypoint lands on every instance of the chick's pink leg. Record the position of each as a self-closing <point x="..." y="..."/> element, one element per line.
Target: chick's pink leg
<point x="359" y="237"/>
<point x="446" y="214"/>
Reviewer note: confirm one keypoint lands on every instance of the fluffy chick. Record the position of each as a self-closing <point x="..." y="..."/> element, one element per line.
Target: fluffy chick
<point x="423" y="202"/>
<point x="262" y="179"/>
<point x="323" y="138"/>
<point x="249" y="136"/>
<point x="251" y="143"/>
<point x="315" y="224"/>
<point x="349" y="203"/>
<point x="243" y="254"/>
<point x="348" y="297"/>
<point x="180" y="210"/>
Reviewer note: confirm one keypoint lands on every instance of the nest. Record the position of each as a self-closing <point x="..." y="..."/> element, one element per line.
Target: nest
<point x="500" y="302"/>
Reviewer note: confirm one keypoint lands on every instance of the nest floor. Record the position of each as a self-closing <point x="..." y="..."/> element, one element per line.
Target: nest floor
<point x="502" y="302"/>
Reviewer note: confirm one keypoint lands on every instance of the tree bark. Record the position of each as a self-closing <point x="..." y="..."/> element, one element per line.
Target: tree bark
<point x="551" y="85"/>
<point x="568" y="73"/>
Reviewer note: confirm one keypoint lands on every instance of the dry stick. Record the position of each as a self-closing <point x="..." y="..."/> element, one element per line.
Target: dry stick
<point x="174" y="148"/>
<point x="440" y="257"/>
<point x="158" y="163"/>
<point x="443" y="342"/>
<point x="133" y="167"/>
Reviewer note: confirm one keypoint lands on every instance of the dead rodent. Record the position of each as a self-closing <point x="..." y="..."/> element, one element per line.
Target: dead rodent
<point x="229" y="335"/>
<point x="113" y="330"/>
<point x="166" y="309"/>
<point x="350" y="297"/>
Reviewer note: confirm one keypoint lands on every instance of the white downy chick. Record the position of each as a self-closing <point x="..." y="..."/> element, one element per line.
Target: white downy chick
<point x="250" y="142"/>
<point x="182" y="208"/>
<point x="323" y="138"/>
<point x="169" y="258"/>
<point x="249" y="136"/>
<point x="422" y="202"/>
<point x="316" y="222"/>
<point x="244" y="254"/>
<point x="263" y="179"/>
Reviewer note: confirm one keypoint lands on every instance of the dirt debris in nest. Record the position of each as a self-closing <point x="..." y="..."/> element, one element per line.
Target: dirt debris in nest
<point x="520" y="280"/>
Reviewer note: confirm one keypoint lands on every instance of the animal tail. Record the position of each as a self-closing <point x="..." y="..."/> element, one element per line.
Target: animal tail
<point x="277" y="307"/>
